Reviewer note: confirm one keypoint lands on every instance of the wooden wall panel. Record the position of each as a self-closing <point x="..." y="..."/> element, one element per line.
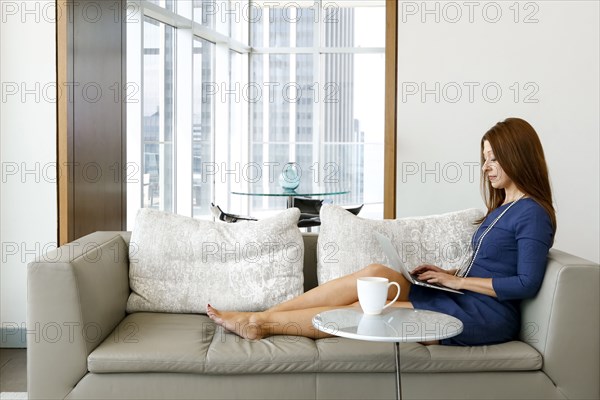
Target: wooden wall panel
<point x="92" y="198"/>
<point x="390" y="153"/>
<point x="64" y="112"/>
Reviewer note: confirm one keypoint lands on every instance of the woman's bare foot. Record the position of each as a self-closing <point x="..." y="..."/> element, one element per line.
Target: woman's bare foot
<point x="244" y="324"/>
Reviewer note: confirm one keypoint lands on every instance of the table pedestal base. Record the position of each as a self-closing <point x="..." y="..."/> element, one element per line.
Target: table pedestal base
<point x="398" y="379"/>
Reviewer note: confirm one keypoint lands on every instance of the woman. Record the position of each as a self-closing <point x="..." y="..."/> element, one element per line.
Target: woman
<point x="510" y="249"/>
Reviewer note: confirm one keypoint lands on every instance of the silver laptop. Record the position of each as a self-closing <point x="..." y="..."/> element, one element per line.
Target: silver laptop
<point x="394" y="259"/>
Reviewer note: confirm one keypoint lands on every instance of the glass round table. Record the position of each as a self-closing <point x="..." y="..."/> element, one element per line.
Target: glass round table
<point x="397" y="325"/>
<point x="290" y="194"/>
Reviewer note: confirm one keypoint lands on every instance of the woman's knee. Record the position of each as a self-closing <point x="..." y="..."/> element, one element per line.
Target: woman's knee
<point x="382" y="271"/>
<point x="375" y="270"/>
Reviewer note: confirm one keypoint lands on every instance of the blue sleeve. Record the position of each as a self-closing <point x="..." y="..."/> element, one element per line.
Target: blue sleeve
<point x="534" y="236"/>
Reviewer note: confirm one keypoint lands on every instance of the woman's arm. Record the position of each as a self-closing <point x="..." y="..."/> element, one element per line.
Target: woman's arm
<point x="479" y="285"/>
<point x="534" y="235"/>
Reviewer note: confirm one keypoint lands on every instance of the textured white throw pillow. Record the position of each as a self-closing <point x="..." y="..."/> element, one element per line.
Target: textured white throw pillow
<point x="347" y="244"/>
<point x="181" y="264"/>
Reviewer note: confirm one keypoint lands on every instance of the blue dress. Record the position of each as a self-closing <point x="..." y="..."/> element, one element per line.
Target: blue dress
<point x="513" y="254"/>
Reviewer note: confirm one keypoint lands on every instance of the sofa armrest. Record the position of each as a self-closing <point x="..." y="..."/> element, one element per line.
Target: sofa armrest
<point x="563" y="324"/>
<point x="76" y="295"/>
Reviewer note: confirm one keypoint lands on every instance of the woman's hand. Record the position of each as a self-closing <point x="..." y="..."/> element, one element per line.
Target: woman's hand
<point x="443" y="278"/>
<point x="432" y="274"/>
<point x="428" y="267"/>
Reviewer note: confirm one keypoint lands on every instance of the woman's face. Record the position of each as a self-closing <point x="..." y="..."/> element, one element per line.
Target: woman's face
<point x="493" y="171"/>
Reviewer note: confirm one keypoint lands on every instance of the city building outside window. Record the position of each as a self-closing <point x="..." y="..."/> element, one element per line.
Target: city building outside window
<point x="233" y="90"/>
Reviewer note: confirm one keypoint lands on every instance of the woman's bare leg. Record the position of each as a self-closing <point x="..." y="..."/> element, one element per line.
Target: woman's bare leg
<point x="258" y="325"/>
<point x="255" y="326"/>
<point x="342" y="291"/>
<point x="294" y="317"/>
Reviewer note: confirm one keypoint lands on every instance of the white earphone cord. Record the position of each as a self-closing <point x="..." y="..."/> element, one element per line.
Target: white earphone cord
<point x="468" y="269"/>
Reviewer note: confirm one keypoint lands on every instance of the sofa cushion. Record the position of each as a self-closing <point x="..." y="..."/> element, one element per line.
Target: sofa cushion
<point x="361" y="356"/>
<point x="186" y="343"/>
<point x="180" y="264"/>
<point x="155" y="342"/>
<point x="509" y="356"/>
<point x="161" y="342"/>
<point x="347" y="244"/>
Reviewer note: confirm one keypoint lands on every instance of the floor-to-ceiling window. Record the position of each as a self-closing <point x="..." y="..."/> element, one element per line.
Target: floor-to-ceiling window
<point x="321" y="69"/>
<point x="203" y="124"/>
<point x="232" y="90"/>
<point x="158" y="119"/>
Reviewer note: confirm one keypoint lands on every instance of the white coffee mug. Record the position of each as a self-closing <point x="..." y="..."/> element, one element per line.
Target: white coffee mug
<point x="373" y="292"/>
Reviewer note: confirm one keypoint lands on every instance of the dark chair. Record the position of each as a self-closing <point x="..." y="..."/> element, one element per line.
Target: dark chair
<point x="308" y="206"/>
<point x="355" y="210"/>
<point x="310" y="210"/>
<point x="228" y="217"/>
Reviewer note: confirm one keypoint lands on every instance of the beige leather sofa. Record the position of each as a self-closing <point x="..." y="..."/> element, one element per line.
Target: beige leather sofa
<point x="82" y="344"/>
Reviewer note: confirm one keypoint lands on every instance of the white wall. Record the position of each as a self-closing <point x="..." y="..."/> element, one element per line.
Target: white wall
<point x="551" y="50"/>
<point x="28" y="150"/>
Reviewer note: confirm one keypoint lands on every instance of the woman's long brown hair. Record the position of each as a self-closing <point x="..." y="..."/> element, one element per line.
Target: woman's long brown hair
<point x="518" y="150"/>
